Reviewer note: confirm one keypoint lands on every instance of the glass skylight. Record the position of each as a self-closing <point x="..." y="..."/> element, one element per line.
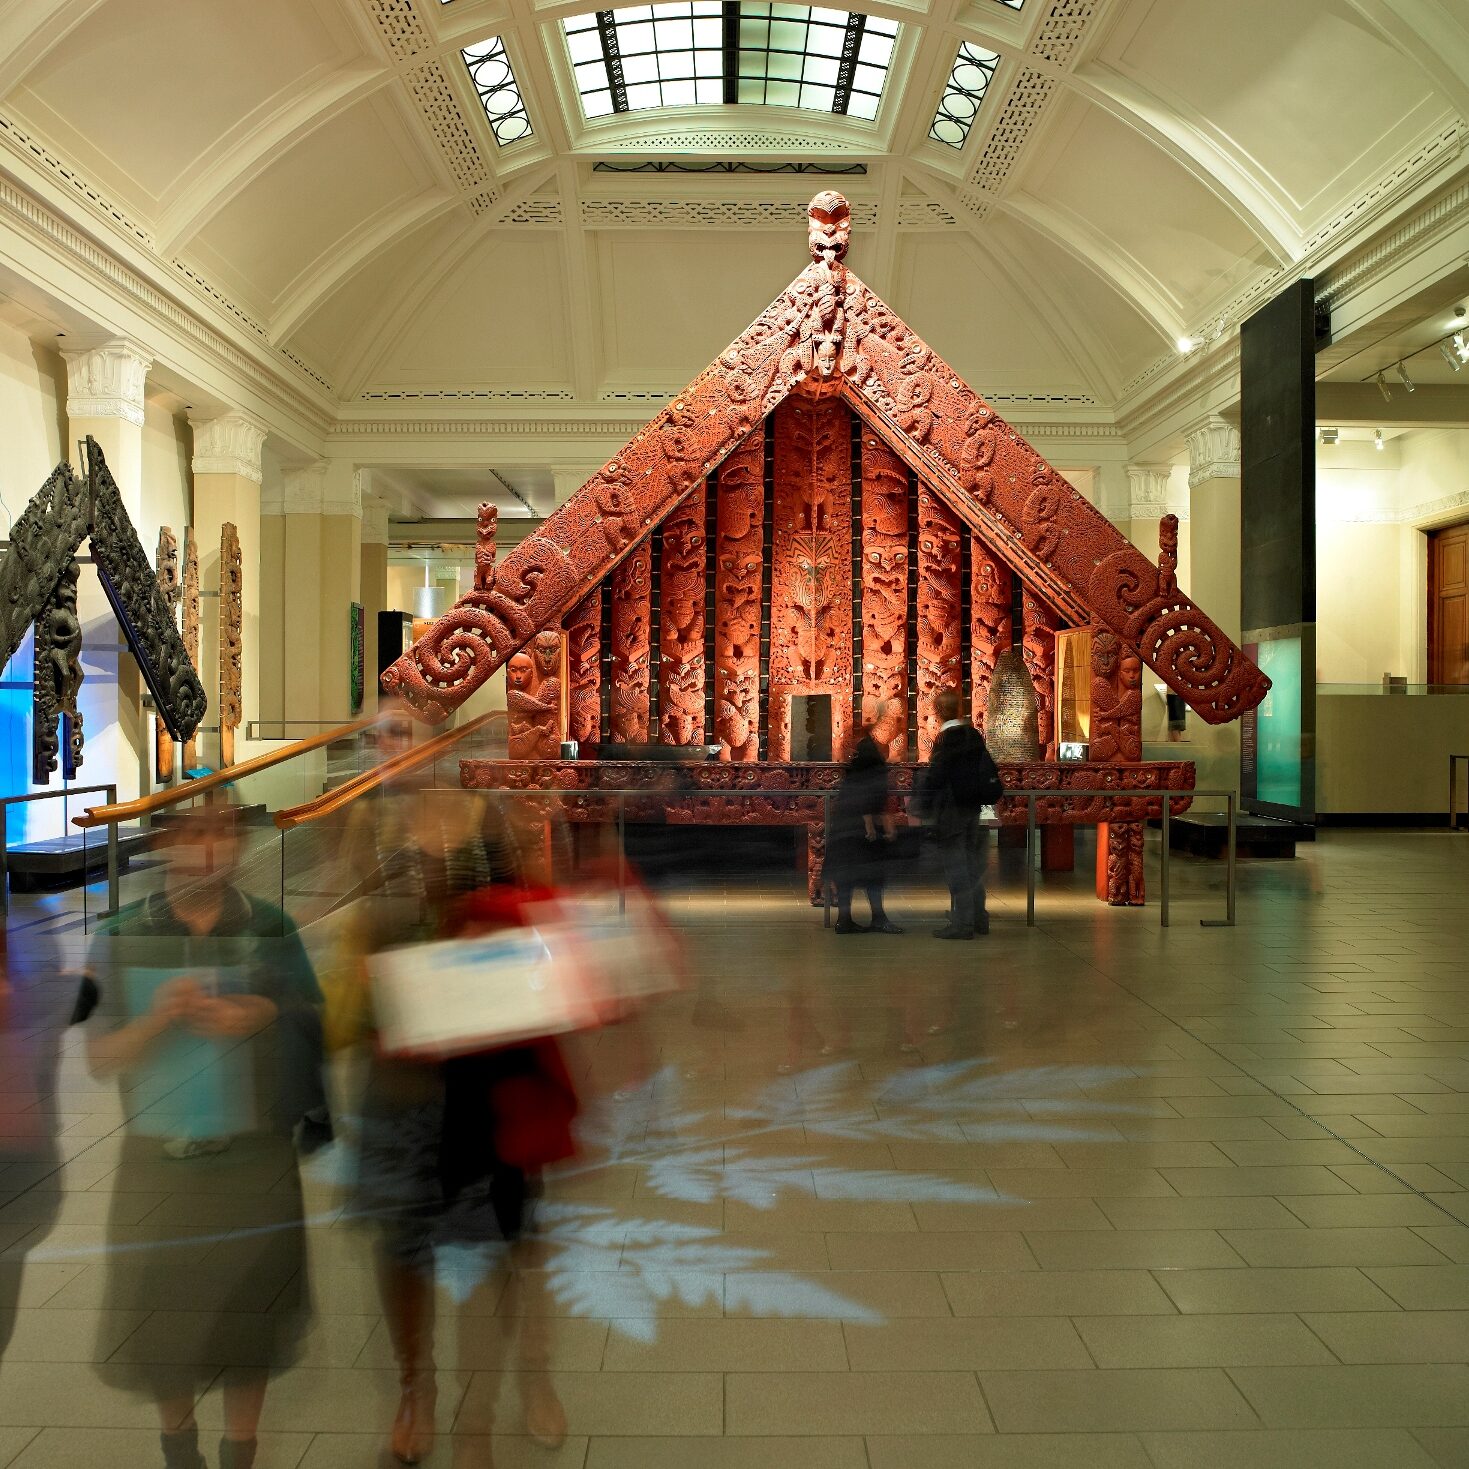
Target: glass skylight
<point x="973" y="70"/>
<point x="704" y="52"/>
<point x="1013" y="4"/>
<point x="499" y="92"/>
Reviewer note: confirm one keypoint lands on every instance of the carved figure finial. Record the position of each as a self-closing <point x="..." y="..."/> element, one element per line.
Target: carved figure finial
<point x="1168" y="556"/>
<point x="828" y="227"/>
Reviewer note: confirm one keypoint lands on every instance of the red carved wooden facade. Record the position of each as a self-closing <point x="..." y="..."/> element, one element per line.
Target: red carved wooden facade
<point x="934" y="456"/>
<point x="885" y="502"/>
<point x="738" y="573"/>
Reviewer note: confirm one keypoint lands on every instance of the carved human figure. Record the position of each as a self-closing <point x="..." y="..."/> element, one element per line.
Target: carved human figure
<point x="486" y="523"/>
<point x="885" y="501"/>
<point x="533" y="702"/>
<point x="1038" y="647"/>
<point x="940" y="628"/>
<point x="991" y="590"/>
<point x="631" y="616"/>
<point x="584" y="668"/>
<point x="738" y="571"/>
<point x="57" y="680"/>
<point x="681" y="605"/>
<point x="1116" y="700"/>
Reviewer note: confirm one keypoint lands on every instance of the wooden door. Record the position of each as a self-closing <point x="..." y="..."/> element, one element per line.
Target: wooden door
<point x="1448" y="605"/>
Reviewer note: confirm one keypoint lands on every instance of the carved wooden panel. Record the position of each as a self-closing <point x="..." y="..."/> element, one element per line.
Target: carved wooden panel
<point x="584" y="669"/>
<point x="885" y="504"/>
<point x="681" y="607"/>
<point x="811" y="567"/>
<point x="58" y="680"/>
<point x="191" y="629"/>
<point x="738" y="571"/>
<point x="42" y="544"/>
<point x="1116" y="699"/>
<point x="486" y="522"/>
<point x="991" y="589"/>
<point x="230" y="616"/>
<point x="1038" y="647"/>
<point x="166" y="564"/>
<point x="533" y="699"/>
<point x="632" y="605"/>
<point x="940" y="620"/>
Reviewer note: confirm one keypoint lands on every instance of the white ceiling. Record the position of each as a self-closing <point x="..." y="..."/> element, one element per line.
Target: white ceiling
<point x="322" y="169"/>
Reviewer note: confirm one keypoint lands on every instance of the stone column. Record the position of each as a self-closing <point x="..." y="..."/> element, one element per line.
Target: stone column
<point x="104" y="399"/>
<point x="374" y="596"/>
<point x="340" y="583"/>
<point x="1214" y="580"/>
<point x="226" y="466"/>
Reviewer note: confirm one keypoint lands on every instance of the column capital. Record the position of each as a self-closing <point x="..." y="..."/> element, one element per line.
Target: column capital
<point x="228" y="444"/>
<point x="1213" y="451"/>
<point x="374" y="521"/>
<point x="107" y="381"/>
<point x="1148" y="493"/>
<point x="299" y="491"/>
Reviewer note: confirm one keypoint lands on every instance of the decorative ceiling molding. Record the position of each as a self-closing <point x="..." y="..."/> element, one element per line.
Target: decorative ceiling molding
<point x="428" y="85"/>
<point x="698" y="212"/>
<point x="402" y="31"/>
<point x="467" y="395"/>
<point x="729" y="139"/>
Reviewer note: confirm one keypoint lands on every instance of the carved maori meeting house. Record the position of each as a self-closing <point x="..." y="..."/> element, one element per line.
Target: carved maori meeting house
<point x="824" y="530"/>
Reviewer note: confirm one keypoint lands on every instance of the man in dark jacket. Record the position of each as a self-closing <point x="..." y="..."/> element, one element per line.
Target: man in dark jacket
<point x="960" y="780"/>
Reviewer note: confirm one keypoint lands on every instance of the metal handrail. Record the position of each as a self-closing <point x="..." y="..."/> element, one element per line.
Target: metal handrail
<point x="1166" y="798"/>
<point x="8" y="801"/>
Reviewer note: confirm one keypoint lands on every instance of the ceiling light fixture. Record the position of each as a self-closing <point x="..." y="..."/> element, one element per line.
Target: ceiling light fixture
<point x="1377" y="441"/>
<point x="1451" y="356"/>
<point x="1383" y="388"/>
<point x="1330" y="435"/>
<point x="1461" y="346"/>
<point x="1185" y="345"/>
<point x="1405" y="379"/>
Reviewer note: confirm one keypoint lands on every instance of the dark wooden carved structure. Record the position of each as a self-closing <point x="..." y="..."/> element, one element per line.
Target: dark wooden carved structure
<point x="166" y="565"/>
<point x="38" y="580"/>
<point x="828" y="433"/>
<point x="190" y="622"/>
<point x="231" y="611"/>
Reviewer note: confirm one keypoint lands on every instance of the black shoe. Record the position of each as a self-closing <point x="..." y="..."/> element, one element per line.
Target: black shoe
<point x="884" y="925"/>
<point x="954" y="933"/>
<point x="845" y="925"/>
<point x="181" y="1449"/>
<point x="237" y="1453"/>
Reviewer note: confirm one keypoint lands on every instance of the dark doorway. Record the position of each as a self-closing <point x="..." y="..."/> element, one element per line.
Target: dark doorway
<point x="811" y="727"/>
<point x="1448" y="605"/>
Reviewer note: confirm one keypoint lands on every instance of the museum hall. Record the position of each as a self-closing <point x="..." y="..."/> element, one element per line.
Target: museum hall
<point x="734" y="735"/>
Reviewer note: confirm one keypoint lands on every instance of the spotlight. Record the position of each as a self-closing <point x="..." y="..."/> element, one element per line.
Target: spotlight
<point x="1185" y="345"/>
<point x="1377" y="441"/>
<point x="1461" y="346"/>
<point x="1330" y="435"/>
<point x="1451" y="357"/>
<point x="1383" y="388"/>
<point x="1404" y="378"/>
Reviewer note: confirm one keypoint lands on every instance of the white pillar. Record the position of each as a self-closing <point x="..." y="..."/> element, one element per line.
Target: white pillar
<point x="104" y="400"/>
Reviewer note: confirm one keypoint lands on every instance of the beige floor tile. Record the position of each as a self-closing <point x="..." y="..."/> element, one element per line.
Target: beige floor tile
<point x="324" y="1400"/>
<point x="1426" y="1288"/>
<point x="1221" y="1211"/>
<point x="615" y="1403"/>
<point x="727" y="1453"/>
<point x="1200" y="1341"/>
<point x="1450" y="1239"/>
<point x="1011" y="1216"/>
<point x="941" y="1345"/>
<point x="842" y="1295"/>
<point x="1057" y="1293"/>
<point x="492" y="1343"/>
<point x="820" y="1216"/>
<point x="1387" y="1246"/>
<point x="929" y="1250"/>
<point x="1394" y="1336"/>
<point x="760" y="1403"/>
<point x="1131" y="1249"/>
<point x="1432" y="1395"/>
<point x="366" y="1451"/>
<point x="1010" y="1451"/>
<point x="1145" y="1154"/>
<point x="1449" y="1447"/>
<point x="66" y="1448"/>
<point x="1115" y="1400"/>
<point x="1324" y="1289"/>
<point x="44" y="1334"/>
<point x="1079" y="1183"/>
<point x="42" y="1394"/>
<point x="1364" y="1211"/>
<point x="801" y="1252"/>
<point x="602" y="1294"/>
<point x="729" y="1345"/>
<point x="1324" y="1448"/>
<point x="1367" y="1178"/>
<point x="12" y="1441"/>
<point x="1261" y="1182"/>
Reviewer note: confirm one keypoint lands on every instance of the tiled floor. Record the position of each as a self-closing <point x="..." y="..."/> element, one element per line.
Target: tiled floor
<point x="1095" y="1194"/>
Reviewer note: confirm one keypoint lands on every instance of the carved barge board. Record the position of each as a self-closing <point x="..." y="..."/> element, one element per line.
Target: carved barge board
<point x="811" y="567"/>
<point x="885" y="494"/>
<point x="166" y="564"/>
<point x="632" y="609"/>
<point x="191" y="630"/>
<point x="991" y="631"/>
<point x="584" y="669"/>
<point x="42" y="544"/>
<point x="738" y="584"/>
<point x="940" y="621"/>
<point x="682" y="600"/>
<point x="230" y="614"/>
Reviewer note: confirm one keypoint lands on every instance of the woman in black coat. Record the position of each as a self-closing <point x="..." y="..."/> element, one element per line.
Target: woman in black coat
<point x="860" y="830"/>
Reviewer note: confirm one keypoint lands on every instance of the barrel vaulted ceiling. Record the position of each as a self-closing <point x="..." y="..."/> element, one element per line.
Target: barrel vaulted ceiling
<point x="322" y="176"/>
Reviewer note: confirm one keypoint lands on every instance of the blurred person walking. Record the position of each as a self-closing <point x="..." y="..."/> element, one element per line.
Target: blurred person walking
<point x="861" y="835"/>
<point x="201" y="1001"/>
<point x="960" y="780"/>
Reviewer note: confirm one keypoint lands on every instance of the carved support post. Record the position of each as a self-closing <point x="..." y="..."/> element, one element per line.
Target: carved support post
<point x="485" y="526"/>
<point x="940" y="665"/>
<point x="885" y="596"/>
<point x="167" y="567"/>
<point x="1117" y="735"/>
<point x="533" y="699"/>
<point x="191" y="629"/>
<point x="584" y="669"/>
<point x="681" y="602"/>
<point x="58" y="679"/>
<point x="1039" y="650"/>
<point x="811" y="573"/>
<point x="632" y="604"/>
<point x="738" y="569"/>
<point x="230" y="612"/>
<point x="990" y="621"/>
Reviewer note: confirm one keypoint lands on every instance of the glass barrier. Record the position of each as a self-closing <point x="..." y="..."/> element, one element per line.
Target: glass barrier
<point x="1380" y="690"/>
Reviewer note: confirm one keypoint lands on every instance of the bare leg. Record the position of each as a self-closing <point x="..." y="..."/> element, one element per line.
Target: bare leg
<point x="406" y="1288"/>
